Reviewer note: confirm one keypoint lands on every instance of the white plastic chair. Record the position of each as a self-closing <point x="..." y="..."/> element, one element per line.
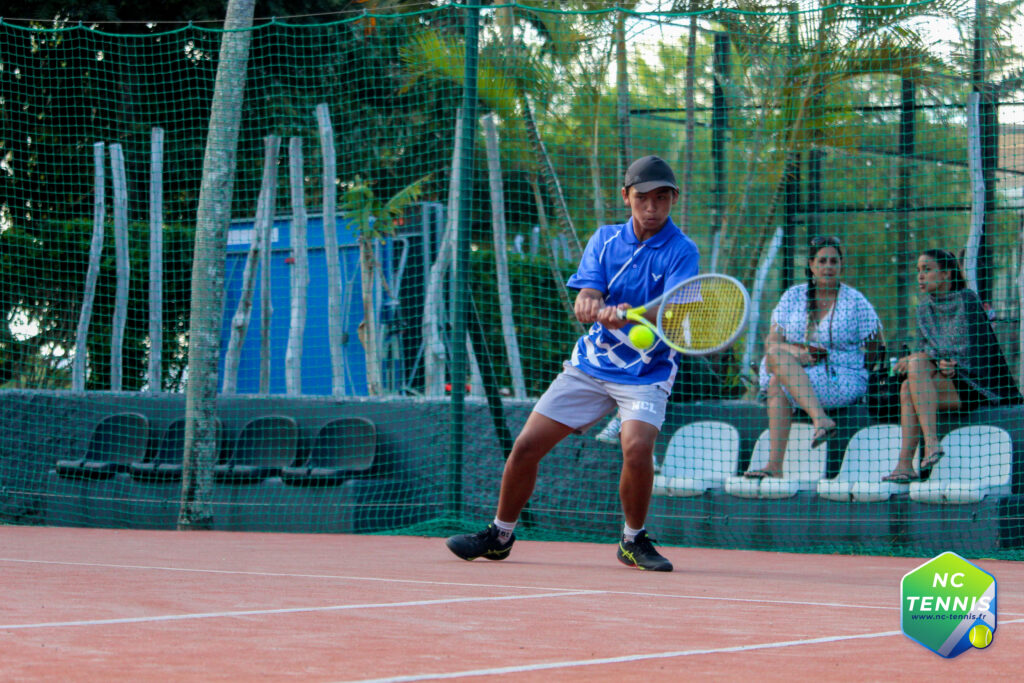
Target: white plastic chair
<point x="802" y="468"/>
<point x="978" y="463"/>
<point x="871" y="454"/>
<point x="700" y="456"/>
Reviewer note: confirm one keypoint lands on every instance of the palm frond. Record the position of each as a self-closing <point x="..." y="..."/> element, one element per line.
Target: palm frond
<point x="409" y="194"/>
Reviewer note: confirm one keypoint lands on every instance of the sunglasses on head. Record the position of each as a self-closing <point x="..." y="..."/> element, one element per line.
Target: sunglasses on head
<point x="825" y="241"/>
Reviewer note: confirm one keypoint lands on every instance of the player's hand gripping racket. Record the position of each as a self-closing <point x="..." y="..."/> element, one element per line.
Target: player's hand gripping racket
<point x="703" y="315"/>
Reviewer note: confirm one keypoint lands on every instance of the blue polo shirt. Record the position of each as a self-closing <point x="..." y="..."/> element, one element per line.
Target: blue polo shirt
<point x="627" y="270"/>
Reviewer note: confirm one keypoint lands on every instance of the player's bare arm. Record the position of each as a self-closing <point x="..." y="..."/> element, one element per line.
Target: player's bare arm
<point x="589" y="303"/>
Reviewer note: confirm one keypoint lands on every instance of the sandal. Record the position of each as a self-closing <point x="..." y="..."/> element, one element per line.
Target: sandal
<point x="761" y="474"/>
<point x="933" y="459"/>
<point x="823" y="434"/>
<point x="901" y="477"/>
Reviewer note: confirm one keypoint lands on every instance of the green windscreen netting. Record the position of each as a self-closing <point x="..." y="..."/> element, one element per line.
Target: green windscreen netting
<point x="386" y="297"/>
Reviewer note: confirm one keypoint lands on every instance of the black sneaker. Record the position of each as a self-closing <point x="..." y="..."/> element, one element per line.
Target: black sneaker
<point x="642" y="555"/>
<point x="483" y="544"/>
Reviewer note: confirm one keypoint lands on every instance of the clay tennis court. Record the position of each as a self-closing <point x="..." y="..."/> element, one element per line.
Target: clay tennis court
<point x="94" y="604"/>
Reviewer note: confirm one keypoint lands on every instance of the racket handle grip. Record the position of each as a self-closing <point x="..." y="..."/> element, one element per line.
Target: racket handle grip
<point x="621" y="313"/>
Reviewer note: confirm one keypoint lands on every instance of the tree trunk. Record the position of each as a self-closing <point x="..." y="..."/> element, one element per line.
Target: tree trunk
<point x="368" y="331"/>
<point x="213" y="217"/>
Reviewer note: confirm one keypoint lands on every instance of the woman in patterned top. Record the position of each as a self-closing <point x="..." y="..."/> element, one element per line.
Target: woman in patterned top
<point x="814" y="352"/>
<point x="958" y="364"/>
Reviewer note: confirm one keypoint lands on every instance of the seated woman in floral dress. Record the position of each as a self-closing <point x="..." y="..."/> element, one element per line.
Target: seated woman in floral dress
<point x="815" y="351"/>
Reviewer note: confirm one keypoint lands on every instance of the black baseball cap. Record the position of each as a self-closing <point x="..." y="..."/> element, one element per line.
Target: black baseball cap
<point x="649" y="173"/>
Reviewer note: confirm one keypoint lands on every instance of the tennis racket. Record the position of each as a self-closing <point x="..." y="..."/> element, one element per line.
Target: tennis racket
<point x="702" y="315"/>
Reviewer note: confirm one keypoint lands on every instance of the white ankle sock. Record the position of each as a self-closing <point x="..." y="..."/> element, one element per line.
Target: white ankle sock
<point x="505" y="530"/>
<point x="629" y="534"/>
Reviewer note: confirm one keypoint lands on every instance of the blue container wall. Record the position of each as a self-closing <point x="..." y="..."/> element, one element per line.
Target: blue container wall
<point x="316" y="360"/>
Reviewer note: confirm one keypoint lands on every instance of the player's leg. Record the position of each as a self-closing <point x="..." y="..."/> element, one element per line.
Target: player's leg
<point x="573" y="402"/>
<point x="643" y="411"/>
<point x="538" y="437"/>
<point x="637" y="478"/>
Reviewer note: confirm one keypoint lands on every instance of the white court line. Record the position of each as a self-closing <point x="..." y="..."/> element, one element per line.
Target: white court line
<point x="283" y="610"/>
<point x="523" y="668"/>
<point x="678" y="596"/>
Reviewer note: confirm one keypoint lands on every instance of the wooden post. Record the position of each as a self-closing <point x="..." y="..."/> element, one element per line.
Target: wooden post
<point x="156" y="259"/>
<point x="508" y="324"/>
<point x="298" y="274"/>
<point x="335" y="324"/>
<point x="264" y="217"/>
<point x="433" y="341"/>
<point x="78" y="365"/>
<point x="123" y="266"/>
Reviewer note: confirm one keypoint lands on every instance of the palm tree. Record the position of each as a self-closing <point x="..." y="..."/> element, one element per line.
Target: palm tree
<point x="509" y="69"/>
<point x="212" y="221"/>
<point x="371" y="220"/>
<point x="837" y="43"/>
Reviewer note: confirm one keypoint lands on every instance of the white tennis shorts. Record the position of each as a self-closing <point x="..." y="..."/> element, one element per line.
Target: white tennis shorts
<point x="578" y="400"/>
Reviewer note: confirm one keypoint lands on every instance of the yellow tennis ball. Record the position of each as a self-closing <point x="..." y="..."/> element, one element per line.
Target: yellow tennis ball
<point x="980" y="636"/>
<point x="641" y="337"/>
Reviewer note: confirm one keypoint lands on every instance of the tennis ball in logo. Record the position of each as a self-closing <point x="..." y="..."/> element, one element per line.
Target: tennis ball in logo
<point x="980" y="636"/>
<point x="641" y="337"/>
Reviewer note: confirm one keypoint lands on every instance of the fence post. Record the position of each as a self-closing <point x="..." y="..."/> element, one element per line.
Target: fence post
<point x="458" y="347"/>
<point x="156" y="259"/>
<point x="719" y="130"/>
<point x="988" y="130"/>
<point x="907" y="143"/>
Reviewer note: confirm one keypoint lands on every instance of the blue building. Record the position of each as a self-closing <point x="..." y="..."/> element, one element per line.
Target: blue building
<point x="405" y="267"/>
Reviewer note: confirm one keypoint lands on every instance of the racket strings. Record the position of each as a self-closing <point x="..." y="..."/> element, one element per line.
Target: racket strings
<point x="706" y="319"/>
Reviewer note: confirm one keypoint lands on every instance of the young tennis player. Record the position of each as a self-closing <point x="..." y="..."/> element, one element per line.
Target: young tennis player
<point x="622" y="266"/>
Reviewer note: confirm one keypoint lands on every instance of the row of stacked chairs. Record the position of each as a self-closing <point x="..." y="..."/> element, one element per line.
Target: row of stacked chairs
<point x="705" y="455"/>
<point x="264" y="447"/>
